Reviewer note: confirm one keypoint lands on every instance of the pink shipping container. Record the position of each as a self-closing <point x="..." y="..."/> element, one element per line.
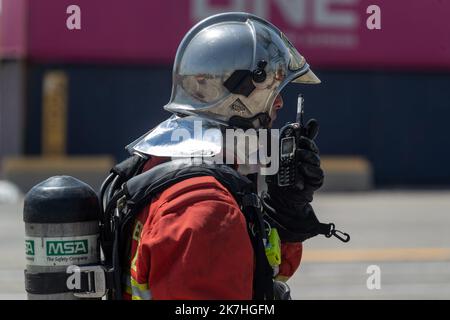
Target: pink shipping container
<point x="331" y="33"/>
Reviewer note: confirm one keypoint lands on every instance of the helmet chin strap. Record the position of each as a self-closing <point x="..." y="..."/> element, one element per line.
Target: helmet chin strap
<point x="261" y="120"/>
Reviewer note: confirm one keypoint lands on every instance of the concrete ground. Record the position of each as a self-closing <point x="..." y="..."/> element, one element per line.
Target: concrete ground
<point x="12" y="257"/>
<point x="405" y="233"/>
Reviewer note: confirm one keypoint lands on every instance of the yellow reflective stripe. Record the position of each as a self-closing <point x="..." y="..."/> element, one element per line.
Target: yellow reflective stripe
<point x="141" y="295"/>
<point x="140" y="286"/>
<point x="140" y="291"/>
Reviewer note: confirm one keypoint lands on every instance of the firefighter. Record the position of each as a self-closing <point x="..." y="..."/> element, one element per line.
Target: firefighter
<point x="191" y="240"/>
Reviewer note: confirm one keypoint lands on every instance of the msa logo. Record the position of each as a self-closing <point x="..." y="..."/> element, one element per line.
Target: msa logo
<point x="67" y="248"/>
<point x="29" y="247"/>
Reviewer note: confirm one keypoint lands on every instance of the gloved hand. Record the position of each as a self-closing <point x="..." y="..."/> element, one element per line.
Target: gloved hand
<point x="288" y="208"/>
<point x="310" y="174"/>
<point x="281" y="290"/>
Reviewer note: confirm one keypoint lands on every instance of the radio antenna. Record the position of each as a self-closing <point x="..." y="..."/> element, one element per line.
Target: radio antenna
<point x="300" y="110"/>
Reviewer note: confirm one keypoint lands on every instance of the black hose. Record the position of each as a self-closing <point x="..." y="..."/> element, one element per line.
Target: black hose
<point x="112" y="189"/>
<point x="103" y="188"/>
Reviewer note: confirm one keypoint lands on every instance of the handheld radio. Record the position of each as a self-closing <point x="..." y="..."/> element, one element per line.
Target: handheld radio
<point x="289" y="135"/>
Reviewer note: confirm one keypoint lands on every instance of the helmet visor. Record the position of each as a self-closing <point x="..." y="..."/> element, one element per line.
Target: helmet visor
<point x="307" y="78"/>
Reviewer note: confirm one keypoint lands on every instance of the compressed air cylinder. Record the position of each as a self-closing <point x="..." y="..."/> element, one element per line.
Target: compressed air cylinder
<point x="61" y="233"/>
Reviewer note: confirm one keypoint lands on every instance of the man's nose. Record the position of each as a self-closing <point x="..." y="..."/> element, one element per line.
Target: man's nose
<point x="278" y="104"/>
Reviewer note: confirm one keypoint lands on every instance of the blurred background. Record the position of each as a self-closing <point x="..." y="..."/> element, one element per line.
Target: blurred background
<point x="71" y="99"/>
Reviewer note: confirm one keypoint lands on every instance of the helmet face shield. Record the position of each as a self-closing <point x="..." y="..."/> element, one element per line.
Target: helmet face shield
<point x="307" y="78"/>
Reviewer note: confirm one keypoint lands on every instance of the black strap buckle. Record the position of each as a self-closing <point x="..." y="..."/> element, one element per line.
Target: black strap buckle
<point x="344" y="237"/>
<point x="94" y="278"/>
<point x="251" y="200"/>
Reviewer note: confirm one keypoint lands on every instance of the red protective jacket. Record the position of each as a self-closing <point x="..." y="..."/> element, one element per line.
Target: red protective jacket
<point x="191" y="242"/>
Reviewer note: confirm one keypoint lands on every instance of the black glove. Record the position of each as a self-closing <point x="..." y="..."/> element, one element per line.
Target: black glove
<point x="310" y="175"/>
<point x="281" y="290"/>
<point x="288" y="208"/>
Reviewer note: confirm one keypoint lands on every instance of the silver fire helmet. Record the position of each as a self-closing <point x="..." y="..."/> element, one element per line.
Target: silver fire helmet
<point x="228" y="70"/>
<point x="230" y="67"/>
